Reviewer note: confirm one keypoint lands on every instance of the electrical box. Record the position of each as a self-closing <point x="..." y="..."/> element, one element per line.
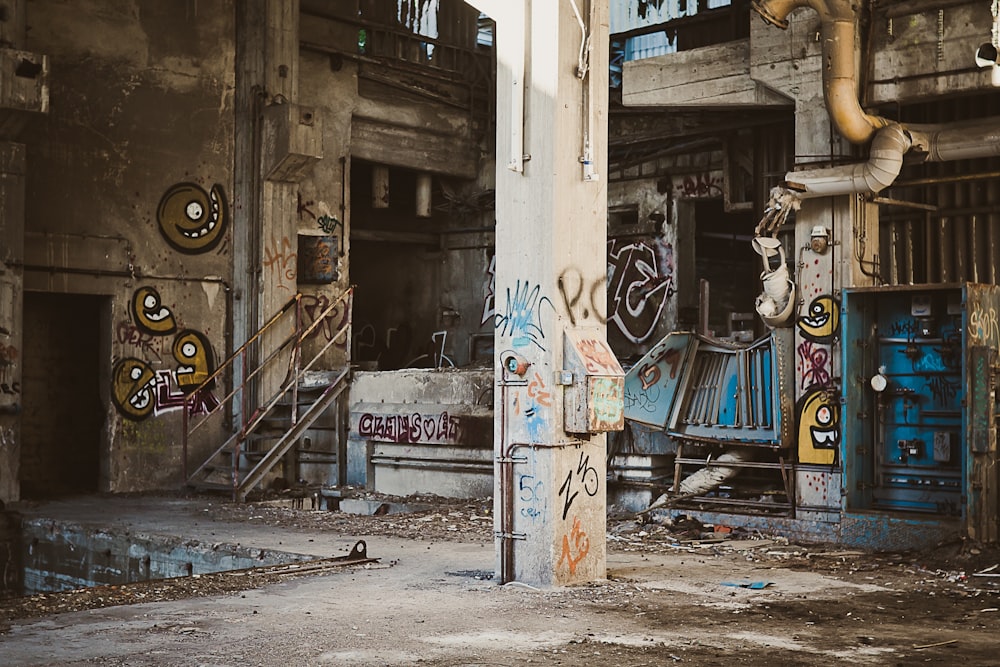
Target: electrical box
<point x="594" y="395"/>
<point x="922" y="412"/>
<point x="292" y="141"/>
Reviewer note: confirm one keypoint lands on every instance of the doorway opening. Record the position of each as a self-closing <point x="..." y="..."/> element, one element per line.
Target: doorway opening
<point x="63" y="415"/>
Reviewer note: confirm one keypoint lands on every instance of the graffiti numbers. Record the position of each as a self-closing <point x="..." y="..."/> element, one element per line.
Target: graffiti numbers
<point x="585" y="476"/>
<point x="530" y="492"/>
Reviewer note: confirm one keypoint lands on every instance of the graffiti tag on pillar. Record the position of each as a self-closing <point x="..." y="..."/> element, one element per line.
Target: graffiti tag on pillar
<point x="523" y="315"/>
<point x="638" y="287"/>
<point x="537" y="391"/>
<point x="192" y="220"/>
<point x="575" y="546"/>
<point x="582" y="298"/>
<point x="585" y="477"/>
<point x="531" y="494"/>
<point x="815" y="364"/>
<point x="282" y="260"/>
<point x="984" y="327"/>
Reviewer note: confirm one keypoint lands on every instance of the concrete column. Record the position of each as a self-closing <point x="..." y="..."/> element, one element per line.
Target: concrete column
<point x="12" y="166"/>
<point x="550" y="494"/>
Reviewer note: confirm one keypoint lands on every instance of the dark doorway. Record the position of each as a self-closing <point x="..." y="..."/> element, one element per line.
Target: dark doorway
<point x="63" y="416"/>
<point x="725" y="258"/>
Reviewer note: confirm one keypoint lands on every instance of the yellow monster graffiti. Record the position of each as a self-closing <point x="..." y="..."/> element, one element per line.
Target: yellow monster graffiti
<point x="820" y="325"/>
<point x="819" y="427"/>
<point x="132" y="386"/>
<point x="149" y="313"/>
<point x="192" y="220"/>
<point x="195" y="362"/>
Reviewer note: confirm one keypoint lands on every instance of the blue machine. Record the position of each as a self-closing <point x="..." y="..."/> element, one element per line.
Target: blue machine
<point x="920" y="404"/>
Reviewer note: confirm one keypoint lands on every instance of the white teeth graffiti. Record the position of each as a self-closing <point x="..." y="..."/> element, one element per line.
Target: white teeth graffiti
<point x="192" y="220"/>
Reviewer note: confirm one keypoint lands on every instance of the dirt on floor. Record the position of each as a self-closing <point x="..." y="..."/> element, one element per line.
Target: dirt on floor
<point x="677" y="592"/>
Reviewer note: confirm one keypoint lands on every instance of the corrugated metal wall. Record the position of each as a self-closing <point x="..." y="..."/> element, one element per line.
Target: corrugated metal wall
<point x="943" y="223"/>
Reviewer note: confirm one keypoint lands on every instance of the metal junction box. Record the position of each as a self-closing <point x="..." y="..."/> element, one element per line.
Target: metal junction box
<point x="920" y="419"/>
<point x="595" y="384"/>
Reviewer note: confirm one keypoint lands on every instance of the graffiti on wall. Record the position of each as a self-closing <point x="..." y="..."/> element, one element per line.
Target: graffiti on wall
<point x="138" y="390"/>
<point x="700" y="185"/>
<point x="314" y="305"/>
<point x="640" y="281"/>
<point x="818" y="407"/>
<point x="149" y="315"/>
<point x="439" y="428"/>
<point x="489" y="287"/>
<point x="191" y="220"/>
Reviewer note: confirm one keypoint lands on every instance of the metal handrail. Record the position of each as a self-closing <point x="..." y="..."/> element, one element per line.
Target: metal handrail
<point x="250" y="420"/>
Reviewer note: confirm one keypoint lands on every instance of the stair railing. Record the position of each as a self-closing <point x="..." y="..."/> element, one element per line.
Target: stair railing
<point x="251" y="419"/>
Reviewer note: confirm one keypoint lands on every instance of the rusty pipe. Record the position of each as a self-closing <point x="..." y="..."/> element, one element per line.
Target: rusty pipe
<point x="838" y="23"/>
<point x="879" y="172"/>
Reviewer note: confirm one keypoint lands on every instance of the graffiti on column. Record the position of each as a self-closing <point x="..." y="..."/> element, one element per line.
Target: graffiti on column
<point x="191" y="220"/>
<point x="575" y="547"/>
<point x="818" y="406"/>
<point x="522" y="319"/>
<point x="282" y="261"/>
<point x="583" y="478"/>
<point x="640" y="281"/>
<point x="582" y="297"/>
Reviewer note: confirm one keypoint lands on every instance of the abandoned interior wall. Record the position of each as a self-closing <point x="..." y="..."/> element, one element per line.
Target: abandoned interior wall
<point x="420" y="431"/>
<point x="914" y="63"/>
<point x="127" y="238"/>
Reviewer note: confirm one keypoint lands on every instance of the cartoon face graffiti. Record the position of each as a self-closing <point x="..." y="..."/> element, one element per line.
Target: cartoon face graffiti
<point x="195" y="362"/>
<point x="819" y="427"/>
<point x="132" y="386"/>
<point x="822" y="322"/>
<point x="149" y="313"/>
<point x="191" y="220"/>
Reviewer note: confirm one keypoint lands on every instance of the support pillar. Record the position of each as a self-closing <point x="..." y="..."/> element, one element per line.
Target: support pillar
<point x="12" y="175"/>
<point x="558" y="385"/>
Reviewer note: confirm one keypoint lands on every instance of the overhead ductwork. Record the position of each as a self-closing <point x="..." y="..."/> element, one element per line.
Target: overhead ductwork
<point x="892" y="140"/>
<point x="838" y="26"/>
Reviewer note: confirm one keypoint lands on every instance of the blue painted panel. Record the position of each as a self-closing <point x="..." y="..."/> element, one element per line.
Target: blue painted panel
<point x="651" y="385"/>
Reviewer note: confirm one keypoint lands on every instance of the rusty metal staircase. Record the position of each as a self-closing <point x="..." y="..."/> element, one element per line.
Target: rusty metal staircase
<point x="269" y="428"/>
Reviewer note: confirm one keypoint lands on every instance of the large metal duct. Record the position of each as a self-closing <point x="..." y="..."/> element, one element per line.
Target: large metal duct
<point x="892" y="140"/>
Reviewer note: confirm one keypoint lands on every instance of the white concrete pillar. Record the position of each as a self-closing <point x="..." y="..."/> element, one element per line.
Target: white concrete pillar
<point x="423" y="197"/>
<point x="556" y="392"/>
<point x="380" y="186"/>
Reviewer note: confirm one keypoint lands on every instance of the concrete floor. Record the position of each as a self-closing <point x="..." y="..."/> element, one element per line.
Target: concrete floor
<point x="420" y="605"/>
